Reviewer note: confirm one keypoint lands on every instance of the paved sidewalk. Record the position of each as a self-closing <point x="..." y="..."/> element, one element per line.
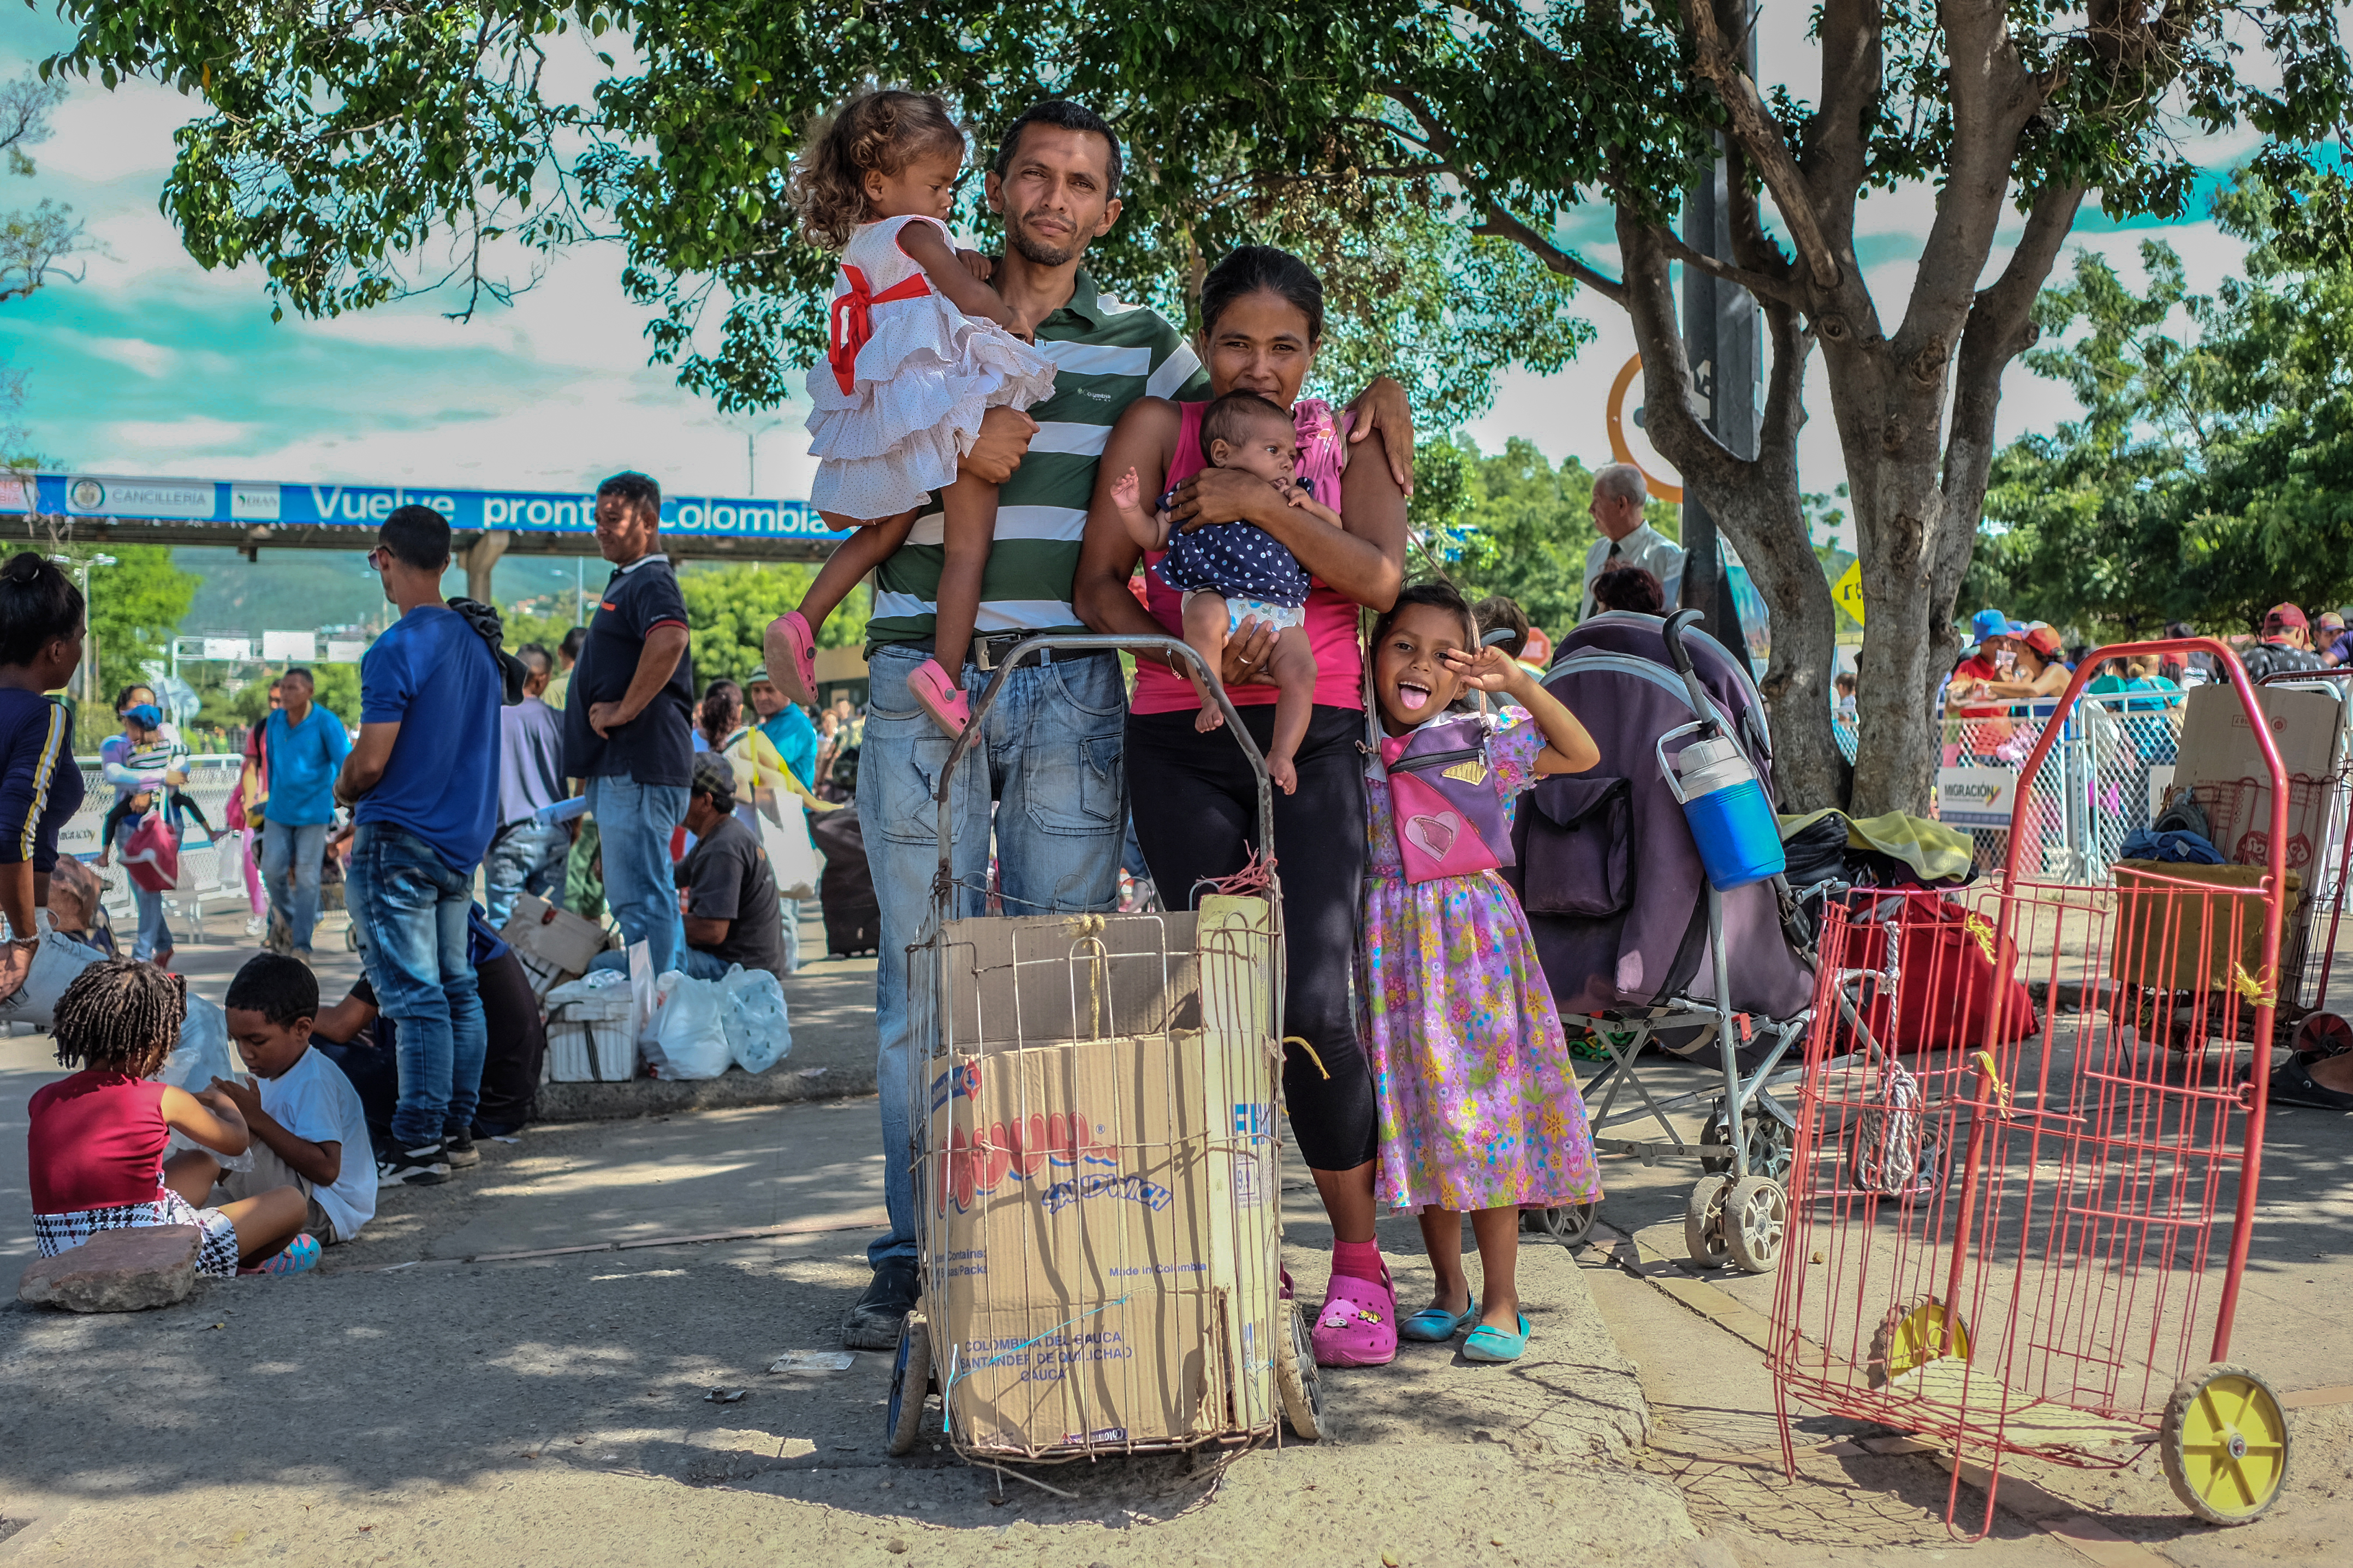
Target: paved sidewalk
<point x="551" y="1409"/>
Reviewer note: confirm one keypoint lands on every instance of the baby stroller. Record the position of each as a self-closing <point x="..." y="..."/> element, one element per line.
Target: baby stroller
<point x="1633" y="938"/>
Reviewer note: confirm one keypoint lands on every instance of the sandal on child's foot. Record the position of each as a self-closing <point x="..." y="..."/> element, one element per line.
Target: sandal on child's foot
<point x="299" y="1255"/>
<point x="1486" y="1344"/>
<point x="1357" y="1325"/>
<point x="1436" y="1325"/>
<point x="796" y="678"/>
<point x="940" y="697"/>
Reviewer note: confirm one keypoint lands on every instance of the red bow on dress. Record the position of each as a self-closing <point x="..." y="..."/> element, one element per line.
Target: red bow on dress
<point x="853" y="319"/>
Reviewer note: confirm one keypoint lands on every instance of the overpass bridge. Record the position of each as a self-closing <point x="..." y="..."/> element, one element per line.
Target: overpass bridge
<point x="252" y="516"/>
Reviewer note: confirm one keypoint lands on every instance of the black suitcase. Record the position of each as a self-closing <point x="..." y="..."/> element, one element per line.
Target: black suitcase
<point x="853" y="918"/>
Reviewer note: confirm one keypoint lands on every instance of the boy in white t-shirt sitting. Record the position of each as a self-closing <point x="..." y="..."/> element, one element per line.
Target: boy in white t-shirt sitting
<point x="309" y="1129"/>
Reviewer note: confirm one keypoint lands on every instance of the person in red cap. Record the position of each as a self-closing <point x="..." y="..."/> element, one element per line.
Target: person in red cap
<point x="2286" y="647"/>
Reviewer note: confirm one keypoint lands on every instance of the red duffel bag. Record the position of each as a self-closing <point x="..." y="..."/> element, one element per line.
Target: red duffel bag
<point x="1954" y="976"/>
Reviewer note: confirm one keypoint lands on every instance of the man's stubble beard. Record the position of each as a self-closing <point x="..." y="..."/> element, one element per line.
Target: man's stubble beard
<point x="1036" y="253"/>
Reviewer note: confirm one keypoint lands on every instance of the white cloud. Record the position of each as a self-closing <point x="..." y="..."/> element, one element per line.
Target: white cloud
<point x="167" y="445"/>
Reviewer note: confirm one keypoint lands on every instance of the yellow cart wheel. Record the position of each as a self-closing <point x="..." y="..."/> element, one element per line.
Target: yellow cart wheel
<point x="2224" y="1444"/>
<point x="1911" y="1336"/>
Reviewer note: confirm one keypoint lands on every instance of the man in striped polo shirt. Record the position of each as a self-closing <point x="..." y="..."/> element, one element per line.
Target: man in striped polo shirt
<point x="1049" y="751"/>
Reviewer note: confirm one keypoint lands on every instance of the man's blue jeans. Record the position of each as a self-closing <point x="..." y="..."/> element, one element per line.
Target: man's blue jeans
<point x="409" y="906"/>
<point x="1049" y="756"/>
<point x="692" y="963"/>
<point x="300" y="847"/>
<point x="527" y="856"/>
<point x="634" y="823"/>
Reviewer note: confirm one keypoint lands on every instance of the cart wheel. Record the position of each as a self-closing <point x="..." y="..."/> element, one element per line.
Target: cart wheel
<point x="911" y="1385"/>
<point x="1298" y="1381"/>
<point x="2322" y="1035"/>
<point x="1703" y="1222"/>
<point x="1910" y="1337"/>
<point x="2224" y="1444"/>
<point x="1570" y="1226"/>
<point x="1755" y="1219"/>
<point x="1770" y="1150"/>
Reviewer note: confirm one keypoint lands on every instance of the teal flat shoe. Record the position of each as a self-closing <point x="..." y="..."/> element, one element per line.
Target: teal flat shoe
<point x="1486" y="1344"/>
<point x="1436" y="1325"/>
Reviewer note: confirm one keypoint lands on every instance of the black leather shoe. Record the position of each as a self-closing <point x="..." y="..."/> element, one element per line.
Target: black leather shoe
<point x="873" y="1323"/>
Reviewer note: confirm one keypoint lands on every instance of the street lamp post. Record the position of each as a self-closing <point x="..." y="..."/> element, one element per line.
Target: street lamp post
<point x="90" y="664"/>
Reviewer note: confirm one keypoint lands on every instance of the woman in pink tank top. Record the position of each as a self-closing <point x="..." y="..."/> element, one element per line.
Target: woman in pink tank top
<point x="1194" y="795"/>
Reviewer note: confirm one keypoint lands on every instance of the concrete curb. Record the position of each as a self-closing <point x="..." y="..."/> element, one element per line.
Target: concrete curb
<point x="780" y="1085"/>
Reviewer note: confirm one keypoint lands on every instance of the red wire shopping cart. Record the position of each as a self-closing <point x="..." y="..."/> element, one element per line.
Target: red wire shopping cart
<point x="2032" y="1244"/>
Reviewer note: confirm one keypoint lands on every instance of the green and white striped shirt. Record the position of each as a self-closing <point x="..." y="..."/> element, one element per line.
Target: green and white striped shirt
<point x="1106" y="356"/>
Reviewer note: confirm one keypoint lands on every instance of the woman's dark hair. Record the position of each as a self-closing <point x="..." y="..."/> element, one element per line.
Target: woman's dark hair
<point x="122" y="698"/>
<point x="1629" y="588"/>
<point x="39" y="604"/>
<point x="722" y="700"/>
<point x="1438" y="594"/>
<point x="1497" y="612"/>
<point x="121" y="1016"/>
<point x="1249" y="268"/>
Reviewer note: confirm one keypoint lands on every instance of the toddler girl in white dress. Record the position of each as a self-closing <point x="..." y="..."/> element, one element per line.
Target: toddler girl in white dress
<point x="920" y="351"/>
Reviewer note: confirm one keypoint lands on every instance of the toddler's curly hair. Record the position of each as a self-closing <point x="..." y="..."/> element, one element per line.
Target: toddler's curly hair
<point x="120" y="1015"/>
<point x="881" y="132"/>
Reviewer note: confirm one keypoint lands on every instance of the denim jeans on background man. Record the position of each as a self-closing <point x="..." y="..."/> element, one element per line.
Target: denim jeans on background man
<point x="692" y="963"/>
<point x="301" y="846"/>
<point x="1049" y="753"/>
<point x="527" y="856"/>
<point x="409" y="906"/>
<point x="634" y="823"/>
<point x="154" y="936"/>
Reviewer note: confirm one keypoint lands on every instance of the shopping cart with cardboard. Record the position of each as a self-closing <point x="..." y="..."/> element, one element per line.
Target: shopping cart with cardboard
<point x="2033" y="1244"/>
<point x="1097" y="1166"/>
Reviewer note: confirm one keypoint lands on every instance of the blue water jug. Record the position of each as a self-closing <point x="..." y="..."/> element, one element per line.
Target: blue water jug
<point x="1739" y="842"/>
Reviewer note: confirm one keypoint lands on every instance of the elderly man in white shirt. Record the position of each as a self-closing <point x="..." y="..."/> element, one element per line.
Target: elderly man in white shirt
<point x="1619" y="494"/>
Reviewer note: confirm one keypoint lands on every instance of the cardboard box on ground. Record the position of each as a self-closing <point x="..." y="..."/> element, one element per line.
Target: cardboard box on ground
<point x="1101" y="1199"/>
<point x="2222" y="767"/>
<point x="553" y="945"/>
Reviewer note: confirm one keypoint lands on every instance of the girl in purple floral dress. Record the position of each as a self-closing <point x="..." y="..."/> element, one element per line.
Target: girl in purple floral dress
<point x="1479" y="1109"/>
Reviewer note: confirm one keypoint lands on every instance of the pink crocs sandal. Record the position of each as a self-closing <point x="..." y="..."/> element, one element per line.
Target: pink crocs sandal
<point x="1357" y="1325"/>
<point x="940" y="697"/>
<point x="796" y="678"/>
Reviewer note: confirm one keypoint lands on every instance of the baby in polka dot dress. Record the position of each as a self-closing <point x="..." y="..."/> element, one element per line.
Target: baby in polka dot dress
<point x="1232" y="572"/>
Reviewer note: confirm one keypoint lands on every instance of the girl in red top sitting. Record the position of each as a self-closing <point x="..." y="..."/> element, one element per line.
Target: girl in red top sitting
<point x="96" y="1145"/>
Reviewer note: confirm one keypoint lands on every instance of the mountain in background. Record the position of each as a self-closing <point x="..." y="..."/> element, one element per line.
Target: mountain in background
<point x="301" y="590"/>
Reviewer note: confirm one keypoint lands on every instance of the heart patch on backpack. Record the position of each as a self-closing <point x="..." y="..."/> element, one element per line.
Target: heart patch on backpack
<point x="1433" y="835"/>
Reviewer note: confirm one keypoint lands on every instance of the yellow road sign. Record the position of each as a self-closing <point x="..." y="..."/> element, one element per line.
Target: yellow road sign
<point x="1848" y="591"/>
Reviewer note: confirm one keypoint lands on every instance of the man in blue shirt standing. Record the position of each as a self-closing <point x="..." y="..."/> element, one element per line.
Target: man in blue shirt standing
<point x="424" y="785"/>
<point x="306" y="744"/>
<point x="627" y="732"/>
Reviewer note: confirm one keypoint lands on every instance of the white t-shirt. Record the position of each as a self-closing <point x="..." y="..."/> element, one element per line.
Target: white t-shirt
<point x="313" y="1099"/>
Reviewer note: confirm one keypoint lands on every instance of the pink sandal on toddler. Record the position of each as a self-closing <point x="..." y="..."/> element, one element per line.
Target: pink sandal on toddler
<point x="800" y="644"/>
<point x="940" y="697"/>
<point x="1357" y="1324"/>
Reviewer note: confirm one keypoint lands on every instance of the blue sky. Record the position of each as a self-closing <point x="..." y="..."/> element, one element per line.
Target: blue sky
<point x="153" y="366"/>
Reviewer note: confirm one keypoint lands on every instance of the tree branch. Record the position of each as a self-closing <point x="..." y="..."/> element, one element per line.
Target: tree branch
<point x="1763" y="285"/>
<point x="1502" y="224"/>
<point x="1753" y="126"/>
<point x="1853" y="75"/>
<point x="1667" y="418"/>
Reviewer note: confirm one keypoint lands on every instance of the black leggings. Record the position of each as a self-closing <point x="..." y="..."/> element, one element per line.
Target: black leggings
<point x="1196" y="803"/>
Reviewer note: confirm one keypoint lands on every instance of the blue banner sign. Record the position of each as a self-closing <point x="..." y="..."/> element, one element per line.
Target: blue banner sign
<point x="249" y="504"/>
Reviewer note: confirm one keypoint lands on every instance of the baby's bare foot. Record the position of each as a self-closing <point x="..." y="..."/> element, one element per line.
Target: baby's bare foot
<point x="1284" y="773"/>
<point x="1208" y="719"/>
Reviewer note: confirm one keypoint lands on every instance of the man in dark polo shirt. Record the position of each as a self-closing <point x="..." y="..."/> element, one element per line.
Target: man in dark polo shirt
<point x="626" y="717"/>
<point x="1050" y="752"/>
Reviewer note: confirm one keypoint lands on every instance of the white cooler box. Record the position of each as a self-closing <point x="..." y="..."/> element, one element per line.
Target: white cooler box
<point x="592" y="1039"/>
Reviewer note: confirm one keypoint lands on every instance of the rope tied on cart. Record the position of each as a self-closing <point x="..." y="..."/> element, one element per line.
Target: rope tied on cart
<point x="1996" y="1093"/>
<point x="1256" y="877"/>
<point x="2255" y="991"/>
<point x="1302" y="1045"/>
<point x="1085" y="932"/>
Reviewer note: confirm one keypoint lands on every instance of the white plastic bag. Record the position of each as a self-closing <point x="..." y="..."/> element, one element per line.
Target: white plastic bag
<point x="642" y="987"/>
<point x="759" y="1035"/>
<point x="202" y="1055"/>
<point x="55" y="961"/>
<point x="791" y="856"/>
<point x="691" y="1029"/>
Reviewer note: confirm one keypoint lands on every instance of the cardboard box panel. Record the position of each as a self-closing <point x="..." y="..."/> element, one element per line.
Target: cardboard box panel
<point x="2189" y="938"/>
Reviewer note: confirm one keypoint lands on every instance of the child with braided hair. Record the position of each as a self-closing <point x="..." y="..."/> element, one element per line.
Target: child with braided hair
<point x="95" y="1148"/>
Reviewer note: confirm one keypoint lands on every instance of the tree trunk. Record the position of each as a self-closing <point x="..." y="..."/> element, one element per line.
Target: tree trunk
<point x="1754" y="503"/>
